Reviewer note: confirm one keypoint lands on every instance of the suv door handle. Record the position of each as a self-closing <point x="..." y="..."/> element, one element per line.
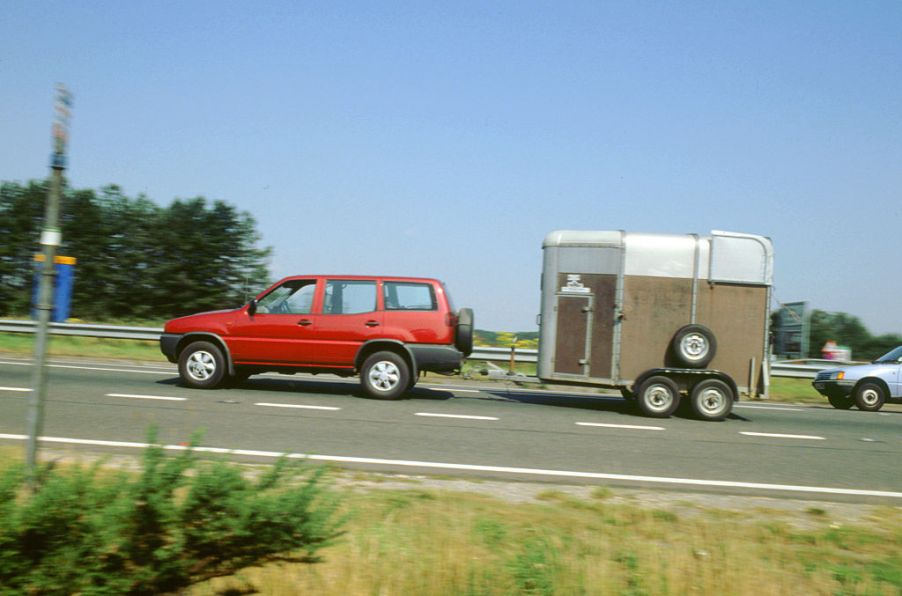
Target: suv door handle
<point x="305" y="322"/>
<point x="372" y="323"/>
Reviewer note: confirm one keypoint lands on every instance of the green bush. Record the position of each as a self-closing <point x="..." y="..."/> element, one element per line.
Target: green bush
<point x="177" y="523"/>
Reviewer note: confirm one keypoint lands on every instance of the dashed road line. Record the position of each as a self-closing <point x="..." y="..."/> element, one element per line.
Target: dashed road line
<point x="627" y="426"/>
<point x="454" y="389"/>
<point x="781" y="408"/>
<point x="463" y="416"/>
<point x="298" y="406"/>
<point x="126" y="370"/>
<point x="22" y="389"/>
<point x="139" y="396"/>
<point x="783" y="436"/>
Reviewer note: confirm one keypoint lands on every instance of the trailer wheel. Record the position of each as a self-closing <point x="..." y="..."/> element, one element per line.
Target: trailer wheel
<point x="693" y="346"/>
<point x="658" y="397"/>
<point x="711" y="399"/>
<point x="463" y="335"/>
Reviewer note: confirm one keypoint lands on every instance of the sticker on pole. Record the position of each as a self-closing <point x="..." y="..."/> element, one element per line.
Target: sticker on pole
<point x="51" y="237"/>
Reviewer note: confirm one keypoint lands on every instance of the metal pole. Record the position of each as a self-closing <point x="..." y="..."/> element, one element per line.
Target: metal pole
<point x="50" y="240"/>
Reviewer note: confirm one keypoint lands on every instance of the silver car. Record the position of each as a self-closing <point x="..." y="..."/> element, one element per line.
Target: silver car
<point x="867" y="386"/>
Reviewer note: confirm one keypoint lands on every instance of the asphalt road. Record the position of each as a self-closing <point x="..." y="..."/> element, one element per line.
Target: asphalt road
<point x="468" y="429"/>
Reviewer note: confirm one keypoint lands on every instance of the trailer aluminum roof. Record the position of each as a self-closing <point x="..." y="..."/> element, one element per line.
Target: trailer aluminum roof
<point x="731" y="257"/>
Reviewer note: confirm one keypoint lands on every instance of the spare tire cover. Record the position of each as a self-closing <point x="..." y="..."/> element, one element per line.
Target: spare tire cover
<point x="463" y="335"/>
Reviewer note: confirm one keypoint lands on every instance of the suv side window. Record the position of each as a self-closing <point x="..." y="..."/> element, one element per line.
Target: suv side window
<point x="347" y="297"/>
<point x="408" y="296"/>
<point x="292" y="297"/>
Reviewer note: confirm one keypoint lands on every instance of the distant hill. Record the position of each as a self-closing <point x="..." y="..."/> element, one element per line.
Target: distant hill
<point x="504" y="339"/>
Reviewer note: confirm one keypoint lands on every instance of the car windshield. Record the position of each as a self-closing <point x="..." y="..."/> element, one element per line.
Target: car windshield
<point x="892" y="356"/>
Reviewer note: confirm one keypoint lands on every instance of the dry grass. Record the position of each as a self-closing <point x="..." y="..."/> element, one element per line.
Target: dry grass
<point x="437" y="542"/>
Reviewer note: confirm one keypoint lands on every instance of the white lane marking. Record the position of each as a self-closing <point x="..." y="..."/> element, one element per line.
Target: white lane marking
<point x="454" y="389"/>
<point x="783" y="436"/>
<point x="137" y="396"/>
<point x="781" y="408"/>
<point x="629" y="426"/>
<point x="480" y="468"/>
<point x="465" y="417"/>
<point x="130" y="370"/>
<point x="268" y="405"/>
<point x="24" y="389"/>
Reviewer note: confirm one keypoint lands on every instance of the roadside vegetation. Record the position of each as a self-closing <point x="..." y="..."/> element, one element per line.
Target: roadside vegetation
<point x="178" y="522"/>
<point x="142" y="532"/>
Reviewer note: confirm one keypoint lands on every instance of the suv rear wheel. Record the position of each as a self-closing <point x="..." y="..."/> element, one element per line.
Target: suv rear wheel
<point x="385" y="375"/>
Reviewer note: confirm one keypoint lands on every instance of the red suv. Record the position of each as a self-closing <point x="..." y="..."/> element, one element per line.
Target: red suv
<point x="386" y="329"/>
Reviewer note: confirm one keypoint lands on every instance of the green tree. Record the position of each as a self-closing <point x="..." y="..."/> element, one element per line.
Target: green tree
<point x="848" y="330"/>
<point x="206" y="257"/>
<point x="135" y="258"/>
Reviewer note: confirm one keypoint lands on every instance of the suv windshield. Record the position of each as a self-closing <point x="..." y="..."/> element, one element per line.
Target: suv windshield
<point x="892" y="356"/>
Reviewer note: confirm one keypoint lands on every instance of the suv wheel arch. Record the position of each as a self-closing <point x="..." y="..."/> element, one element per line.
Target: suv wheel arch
<point x="189" y="338"/>
<point x="379" y="345"/>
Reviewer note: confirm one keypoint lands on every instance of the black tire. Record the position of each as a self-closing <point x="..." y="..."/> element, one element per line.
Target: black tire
<point x="658" y="397"/>
<point x="463" y="334"/>
<point x="841" y="402"/>
<point x="385" y="375"/>
<point x="693" y="346"/>
<point x="870" y="396"/>
<point x="202" y="365"/>
<point x="711" y="399"/>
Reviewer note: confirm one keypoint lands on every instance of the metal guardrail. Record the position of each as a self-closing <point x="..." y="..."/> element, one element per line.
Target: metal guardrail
<point x="803" y="369"/>
<point x="83" y="330"/>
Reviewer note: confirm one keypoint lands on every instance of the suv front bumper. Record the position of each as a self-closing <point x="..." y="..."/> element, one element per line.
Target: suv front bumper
<point x="168" y="344"/>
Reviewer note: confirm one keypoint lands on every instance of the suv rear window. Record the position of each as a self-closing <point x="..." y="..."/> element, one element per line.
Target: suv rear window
<point x="408" y="296"/>
<point x="346" y="297"/>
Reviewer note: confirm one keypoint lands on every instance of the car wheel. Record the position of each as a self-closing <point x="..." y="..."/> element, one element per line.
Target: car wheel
<point x="869" y="397"/>
<point x="841" y="402"/>
<point x="658" y="397"/>
<point x="202" y="365"/>
<point x="385" y="375"/>
<point x="711" y="399"/>
<point x="463" y="336"/>
<point x="693" y="346"/>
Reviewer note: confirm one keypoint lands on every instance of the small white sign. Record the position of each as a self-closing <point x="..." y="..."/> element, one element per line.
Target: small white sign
<point x="51" y="237"/>
<point x="575" y="285"/>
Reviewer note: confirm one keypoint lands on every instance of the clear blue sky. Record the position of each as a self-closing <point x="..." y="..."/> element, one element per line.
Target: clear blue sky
<point x="446" y="139"/>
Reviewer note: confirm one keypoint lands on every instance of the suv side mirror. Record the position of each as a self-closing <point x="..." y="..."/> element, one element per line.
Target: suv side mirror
<point x="252" y="307"/>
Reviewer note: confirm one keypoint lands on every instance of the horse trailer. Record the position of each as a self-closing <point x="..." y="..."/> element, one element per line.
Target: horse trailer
<point x="661" y="317"/>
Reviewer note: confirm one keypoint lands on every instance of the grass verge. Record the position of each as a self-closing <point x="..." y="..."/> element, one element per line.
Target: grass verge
<point x="414" y="538"/>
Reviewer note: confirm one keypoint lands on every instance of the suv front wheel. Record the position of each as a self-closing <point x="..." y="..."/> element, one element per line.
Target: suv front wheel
<point x="201" y="365"/>
<point x="385" y="375"/>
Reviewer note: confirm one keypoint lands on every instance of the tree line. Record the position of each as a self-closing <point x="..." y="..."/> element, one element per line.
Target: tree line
<point x="848" y="330"/>
<point x="135" y="259"/>
<point x="138" y="260"/>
